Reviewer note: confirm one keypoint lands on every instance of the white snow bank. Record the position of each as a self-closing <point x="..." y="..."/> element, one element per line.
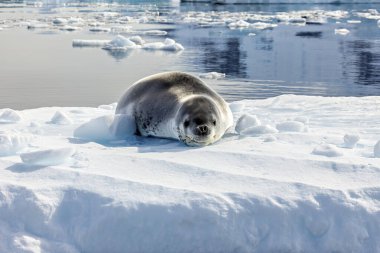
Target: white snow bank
<point x="350" y="140"/>
<point x="60" y="118"/>
<point x="260" y="193"/>
<point x="48" y="157"/>
<point x="246" y="121"/>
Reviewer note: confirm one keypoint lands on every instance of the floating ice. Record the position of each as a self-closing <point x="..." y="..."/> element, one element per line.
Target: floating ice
<point x="262" y="26"/>
<point x="48" y="157"/>
<point x="239" y="24"/>
<point x="156" y="32"/>
<point x="291" y="126"/>
<point x="137" y="40"/>
<point x="36" y="25"/>
<point x="168" y="45"/>
<point x="99" y="29"/>
<point x="12" y="143"/>
<point x="70" y="28"/>
<point x="354" y="21"/>
<point x="60" y="21"/>
<point x="350" y="140"/>
<point x="251" y="34"/>
<point x="90" y="43"/>
<point x="61" y="118"/>
<point x="378" y="23"/>
<point x="258" y="130"/>
<point x="376" y="150"/>
<point x="342" y="31"/>
<point x="212" y="75"/>
<point x="120" y="43"/>
<point x="328" y="150"/>
<point x="10" y="116"/>
<point x="246" y="121"/>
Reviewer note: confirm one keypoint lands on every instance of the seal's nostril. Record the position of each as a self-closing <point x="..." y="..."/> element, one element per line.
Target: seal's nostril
<point x="203" y="130"/>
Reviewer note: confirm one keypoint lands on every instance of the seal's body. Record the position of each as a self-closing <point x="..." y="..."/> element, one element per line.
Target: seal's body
<point x="178" y="106"/>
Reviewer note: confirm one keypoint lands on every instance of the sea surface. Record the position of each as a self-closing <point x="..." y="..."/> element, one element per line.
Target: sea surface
<point x="40" y="67"/>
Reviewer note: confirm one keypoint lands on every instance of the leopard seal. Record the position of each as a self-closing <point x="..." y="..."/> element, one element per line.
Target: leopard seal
<point x="174" y="105"/>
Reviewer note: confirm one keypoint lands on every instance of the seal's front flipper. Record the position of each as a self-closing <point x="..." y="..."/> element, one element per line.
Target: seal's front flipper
<point x="123" y="126"/>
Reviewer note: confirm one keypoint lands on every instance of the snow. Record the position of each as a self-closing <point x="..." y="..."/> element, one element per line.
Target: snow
<point x="120" y="43"/>
<point x="291" y="126"/>
<point x="167" y="45"/>
<point x="61" y="118"/>
<point x="79" y="188"/>
<point x="47" y="157"/>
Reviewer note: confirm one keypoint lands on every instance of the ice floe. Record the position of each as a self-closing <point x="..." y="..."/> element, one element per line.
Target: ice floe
<point x="212" y="75"/>
<point x="342" y="31"/>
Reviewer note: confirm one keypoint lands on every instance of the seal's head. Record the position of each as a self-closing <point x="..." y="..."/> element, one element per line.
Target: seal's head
<point x="198" y="121"/>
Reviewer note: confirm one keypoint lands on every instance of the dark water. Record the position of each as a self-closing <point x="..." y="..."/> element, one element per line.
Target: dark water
<point x="41" y="68"/>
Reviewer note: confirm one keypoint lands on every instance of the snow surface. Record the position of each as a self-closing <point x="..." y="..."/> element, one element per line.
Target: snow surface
<point x="278" y="192"/>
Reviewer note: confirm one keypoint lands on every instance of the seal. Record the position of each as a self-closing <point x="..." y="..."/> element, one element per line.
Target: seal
<point x="174" y="105"/>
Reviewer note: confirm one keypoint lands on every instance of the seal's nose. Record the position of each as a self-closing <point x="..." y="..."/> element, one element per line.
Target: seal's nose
<point x="203" y="130"/>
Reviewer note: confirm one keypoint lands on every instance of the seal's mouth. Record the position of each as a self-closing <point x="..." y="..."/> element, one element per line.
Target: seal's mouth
<point x="198" y="141"/>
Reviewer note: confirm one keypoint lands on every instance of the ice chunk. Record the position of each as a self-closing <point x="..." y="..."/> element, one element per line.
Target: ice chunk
<point x="262" y="26"/>
<point x="99" y="29"/>
<point x="237" y="107"/>
<point x="90" y="43"/>
<point x="48" y="157"/>
<point x="251" y="34"/>
<point x="36" y="25"/>
<point x="70" y="28"/>
<point x="291" y="126"/>
<point x="168" y="45"/>
<point x="258" y="130"/>
<point x="120" y="43"/>
<point x="61" y="118"/>
<point x="354" y="21"/>
<point x="239" y="24"/>
<point x="212" y="75"/>
<point x="12" y="143"/>
<point x="60" y="21"/>
<point x="342" y="31"/>
<point x="328" y="150"/>
<point x="137" y="40"/>
<point x="156" y="32"/>
<point x="350" y="140"/>
<point x="246" y="121"/>
<point x="10" y="116"/>
<point x="376" y="150"/>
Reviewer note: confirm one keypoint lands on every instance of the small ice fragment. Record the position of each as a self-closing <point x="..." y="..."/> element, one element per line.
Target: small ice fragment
<point x="354" y="21"/>
<point x="90" y="43"/>
<point x="238" y="24"/>
<point x="350" y="140"/>
<point x="137" y="40"/>
<point x="212" y="75"/>
<point x="10" y="116"/>
<point x="168" y="45"/>
<point x="378" y="23"/>
<point x="251" y="34"/>
<point x="291" y="126"/>
<point x="156" y="32"/>
<point x="342" y="31"/>
<point x="120" y="43"/>
<point x="61" y="118"/>
<point x="70" y="28"/>
<point x="258" y="130"/>
<point x="376" y="150"/>
<point x="11" y="143"/>
<point x="35" y="25"/>
<point x="99" y="29"/>
<point x="246" y="121"/>
<point x="48" y="157"/>
<point x="327" y="150"/>
<point x="262" y="25"/>
<point x="60" y="21"/>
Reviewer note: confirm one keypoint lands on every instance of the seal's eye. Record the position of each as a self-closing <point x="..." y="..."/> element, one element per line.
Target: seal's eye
<point x="186" y="123"/>
<point x="214" y="122"/>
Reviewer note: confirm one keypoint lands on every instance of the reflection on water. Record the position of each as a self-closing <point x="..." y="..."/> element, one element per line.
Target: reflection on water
<point x="310" y="59"/>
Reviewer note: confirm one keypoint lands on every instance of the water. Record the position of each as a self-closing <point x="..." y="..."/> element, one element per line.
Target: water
<point x="40" y="67"/>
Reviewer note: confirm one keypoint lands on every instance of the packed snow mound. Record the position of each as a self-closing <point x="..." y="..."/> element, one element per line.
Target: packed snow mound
<point x="61" y="118"/>
<point x="350" y="140"/>
<point x="246" y="121"/>
<point x="265" y="192"/>
<point x="47" y="157"/>
<point x="10" y="116"/>
<point x="12" y="143"/>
